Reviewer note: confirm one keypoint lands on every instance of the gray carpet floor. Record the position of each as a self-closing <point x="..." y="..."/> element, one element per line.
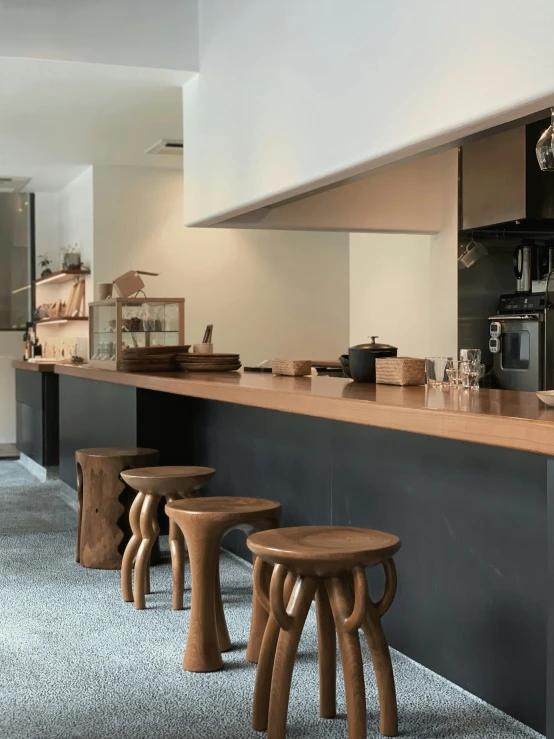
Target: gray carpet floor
<point x="75" y="661"/>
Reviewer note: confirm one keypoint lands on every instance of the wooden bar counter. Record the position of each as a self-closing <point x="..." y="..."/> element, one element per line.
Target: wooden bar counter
<point x="498" y="417"/>
<point x="465" y="479"/>
<point x="36" y="393"/>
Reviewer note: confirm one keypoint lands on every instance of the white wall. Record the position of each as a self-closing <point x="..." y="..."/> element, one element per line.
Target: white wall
<point x="404" y="288"/>
<point x="267" y="293"/>
<point x="140" y="33"/>
<point x="292" y="94"/>
<point x="11" y="343"/>
<point x="47" y="228"/>
<point x="390" y="282"/>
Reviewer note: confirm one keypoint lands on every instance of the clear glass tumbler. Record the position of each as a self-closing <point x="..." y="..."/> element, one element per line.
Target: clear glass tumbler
<point x="435" y="371"/>
<point x="471" y="373"/>
<point x="470" y="355"/>
<point x="454" y="373"/>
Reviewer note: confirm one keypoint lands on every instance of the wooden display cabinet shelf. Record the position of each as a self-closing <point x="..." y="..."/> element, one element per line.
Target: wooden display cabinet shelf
<point x="62" y="275"/>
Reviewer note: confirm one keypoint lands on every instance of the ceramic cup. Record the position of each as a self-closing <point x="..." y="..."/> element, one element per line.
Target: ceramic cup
<point x="105" y="290"/>
<point x="203" y="348"/>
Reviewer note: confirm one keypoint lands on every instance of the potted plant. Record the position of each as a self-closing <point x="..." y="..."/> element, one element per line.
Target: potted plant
<point x="44" y="264"/>
<point x="71" y="257"/>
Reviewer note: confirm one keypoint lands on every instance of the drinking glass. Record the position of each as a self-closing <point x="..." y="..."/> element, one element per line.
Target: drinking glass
<point x="454" y="373"/>
<point x="435" y="371"/>
<point x="470" y="355"/>
<point x="470" y="373"/>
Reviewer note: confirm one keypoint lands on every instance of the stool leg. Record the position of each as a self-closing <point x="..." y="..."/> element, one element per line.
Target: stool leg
<point x="380" y="655"/>
<point x="131" y="549"/>
<point x="262" y="688"/>
<point x="327" y="654"/>
<point x="202" y="653"/>
<point x="79" y="510"/>
<point x="149" y="531"/>
<point x="351" y="655"/>
<point x="223" y="638"/>
<point x="259" y="620"/>
<point x="287" y="646"/>
<point x="177" y="549"/>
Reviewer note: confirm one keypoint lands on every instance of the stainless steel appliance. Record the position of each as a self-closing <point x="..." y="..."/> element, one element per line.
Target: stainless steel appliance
<point x="522" y="342"/>
<point x="522" y="267"/>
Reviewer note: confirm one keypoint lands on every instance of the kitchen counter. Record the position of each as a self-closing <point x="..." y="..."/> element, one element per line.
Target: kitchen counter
<point x="509" y="419"/>
<point x="465" y="479"/>
<point x="31" y="366"/>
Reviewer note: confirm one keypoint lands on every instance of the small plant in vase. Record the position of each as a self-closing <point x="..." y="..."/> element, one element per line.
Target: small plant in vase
<point x="71" y="257"/>
<point x="44" y="263"/>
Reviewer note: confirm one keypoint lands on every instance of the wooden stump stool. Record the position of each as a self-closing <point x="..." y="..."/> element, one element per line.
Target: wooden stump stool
<point x="326" y="563"/>
<point x="103" y="505"/>
<point x="151" y="484"/>
<point x="204" y="522"/>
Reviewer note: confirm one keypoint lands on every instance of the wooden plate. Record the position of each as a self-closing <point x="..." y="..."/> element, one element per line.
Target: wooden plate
<point x="140" y="350"/>
<point x="207" y="357"/>
<point x="210" y="367"/>
<point x="217" y="360"/>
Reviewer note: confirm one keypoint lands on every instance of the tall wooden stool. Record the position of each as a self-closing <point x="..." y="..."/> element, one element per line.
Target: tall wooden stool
<point x="152" y="484"/>
<point x="204" y="522"/>
<point x="325" y="562"/>
<point x="104" y="502"/>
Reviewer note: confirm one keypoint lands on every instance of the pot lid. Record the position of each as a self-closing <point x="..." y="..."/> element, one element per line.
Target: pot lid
<point x="374" y="346"/>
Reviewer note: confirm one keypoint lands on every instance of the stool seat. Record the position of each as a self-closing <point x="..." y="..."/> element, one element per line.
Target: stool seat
<point x="326" y="563"/>
<point x="323" y="551"/>
<point x="222" y="509"/>
<point x="151" y="484"/>
<point x="104" y="503"/>
<point x="204" y="522"/>
<point x="163" y="480"/>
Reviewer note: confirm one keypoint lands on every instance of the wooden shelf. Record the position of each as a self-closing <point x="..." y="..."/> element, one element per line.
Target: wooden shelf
<point x="63" y="275"/>
<point x="61" y="319"/>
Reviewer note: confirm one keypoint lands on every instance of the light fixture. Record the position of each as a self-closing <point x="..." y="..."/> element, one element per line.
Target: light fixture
<point x="60" y="320"/>
<point x="545" y="147"/>
<point x="20" y="289"/>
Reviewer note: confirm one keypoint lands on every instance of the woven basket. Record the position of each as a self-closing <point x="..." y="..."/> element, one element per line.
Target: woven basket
<point x="292" y="367"/>
<point x="400" y="371"/>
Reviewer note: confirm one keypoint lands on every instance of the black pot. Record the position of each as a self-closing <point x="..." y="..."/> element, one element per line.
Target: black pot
<point x="343" y="359"/>
<point x="361" y="359"/>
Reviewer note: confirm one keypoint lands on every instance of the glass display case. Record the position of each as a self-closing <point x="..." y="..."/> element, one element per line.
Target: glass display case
<point x="122" y="323"/>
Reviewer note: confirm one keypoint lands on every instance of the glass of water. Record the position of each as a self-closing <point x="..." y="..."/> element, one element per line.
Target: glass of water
<point x="435" y="371"/>
<point x="454" y="373"/>
<point x="471" y="372"/>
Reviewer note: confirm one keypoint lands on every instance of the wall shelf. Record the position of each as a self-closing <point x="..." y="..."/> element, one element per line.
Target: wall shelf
<point x="63" y="275"/>
<point x="60" y="319"/>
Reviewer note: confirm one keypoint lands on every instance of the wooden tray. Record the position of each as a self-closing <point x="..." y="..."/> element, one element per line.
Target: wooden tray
<point x="206" y="357"/>
<point x="210" y="367"/>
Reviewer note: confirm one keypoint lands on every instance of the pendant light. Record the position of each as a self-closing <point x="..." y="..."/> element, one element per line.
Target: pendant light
<point x="545" y="147"/>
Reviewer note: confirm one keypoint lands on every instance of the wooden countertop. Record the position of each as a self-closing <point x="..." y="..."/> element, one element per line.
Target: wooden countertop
<point x="33" y="366"/>
<point x="496" y="417"/>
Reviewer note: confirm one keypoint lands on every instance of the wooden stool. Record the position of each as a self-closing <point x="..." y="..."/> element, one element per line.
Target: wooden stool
<point x="325" y="562"/>
<point x="151" y="484"/>
<point x="204" y="522"/>
<point x="103" y="503"/>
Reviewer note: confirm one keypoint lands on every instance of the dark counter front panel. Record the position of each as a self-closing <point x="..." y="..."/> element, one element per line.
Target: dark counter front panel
<point x="472" y="598"/>
<point x="37" y="429"/>
<point x="93" y="414"/>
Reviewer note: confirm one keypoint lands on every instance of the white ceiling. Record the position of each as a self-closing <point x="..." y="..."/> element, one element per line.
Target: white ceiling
<point x="160" y="34"/>
<point x="57" y="118"/>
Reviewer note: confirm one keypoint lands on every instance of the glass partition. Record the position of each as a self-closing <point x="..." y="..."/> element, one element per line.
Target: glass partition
<point x="16" y="260"/>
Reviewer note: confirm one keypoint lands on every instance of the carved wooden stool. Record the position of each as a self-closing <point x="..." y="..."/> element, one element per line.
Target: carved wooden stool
<point x="152" y="484"/>
<point x="104" y="502"/>
<point x="204" y="522"/>
<point x="325" y="562"/>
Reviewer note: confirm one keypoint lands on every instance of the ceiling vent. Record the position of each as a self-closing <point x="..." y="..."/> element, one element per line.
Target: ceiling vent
<point x="173" y="147"/>
<point x="13" y="184"/>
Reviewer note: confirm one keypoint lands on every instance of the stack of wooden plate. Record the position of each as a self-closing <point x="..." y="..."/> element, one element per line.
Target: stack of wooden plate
<point x="208" y="362"/>
<point x="150" y="358"/>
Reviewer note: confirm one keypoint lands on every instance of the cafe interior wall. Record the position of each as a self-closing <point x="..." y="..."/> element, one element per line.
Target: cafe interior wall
<point x="268" y="293"/>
